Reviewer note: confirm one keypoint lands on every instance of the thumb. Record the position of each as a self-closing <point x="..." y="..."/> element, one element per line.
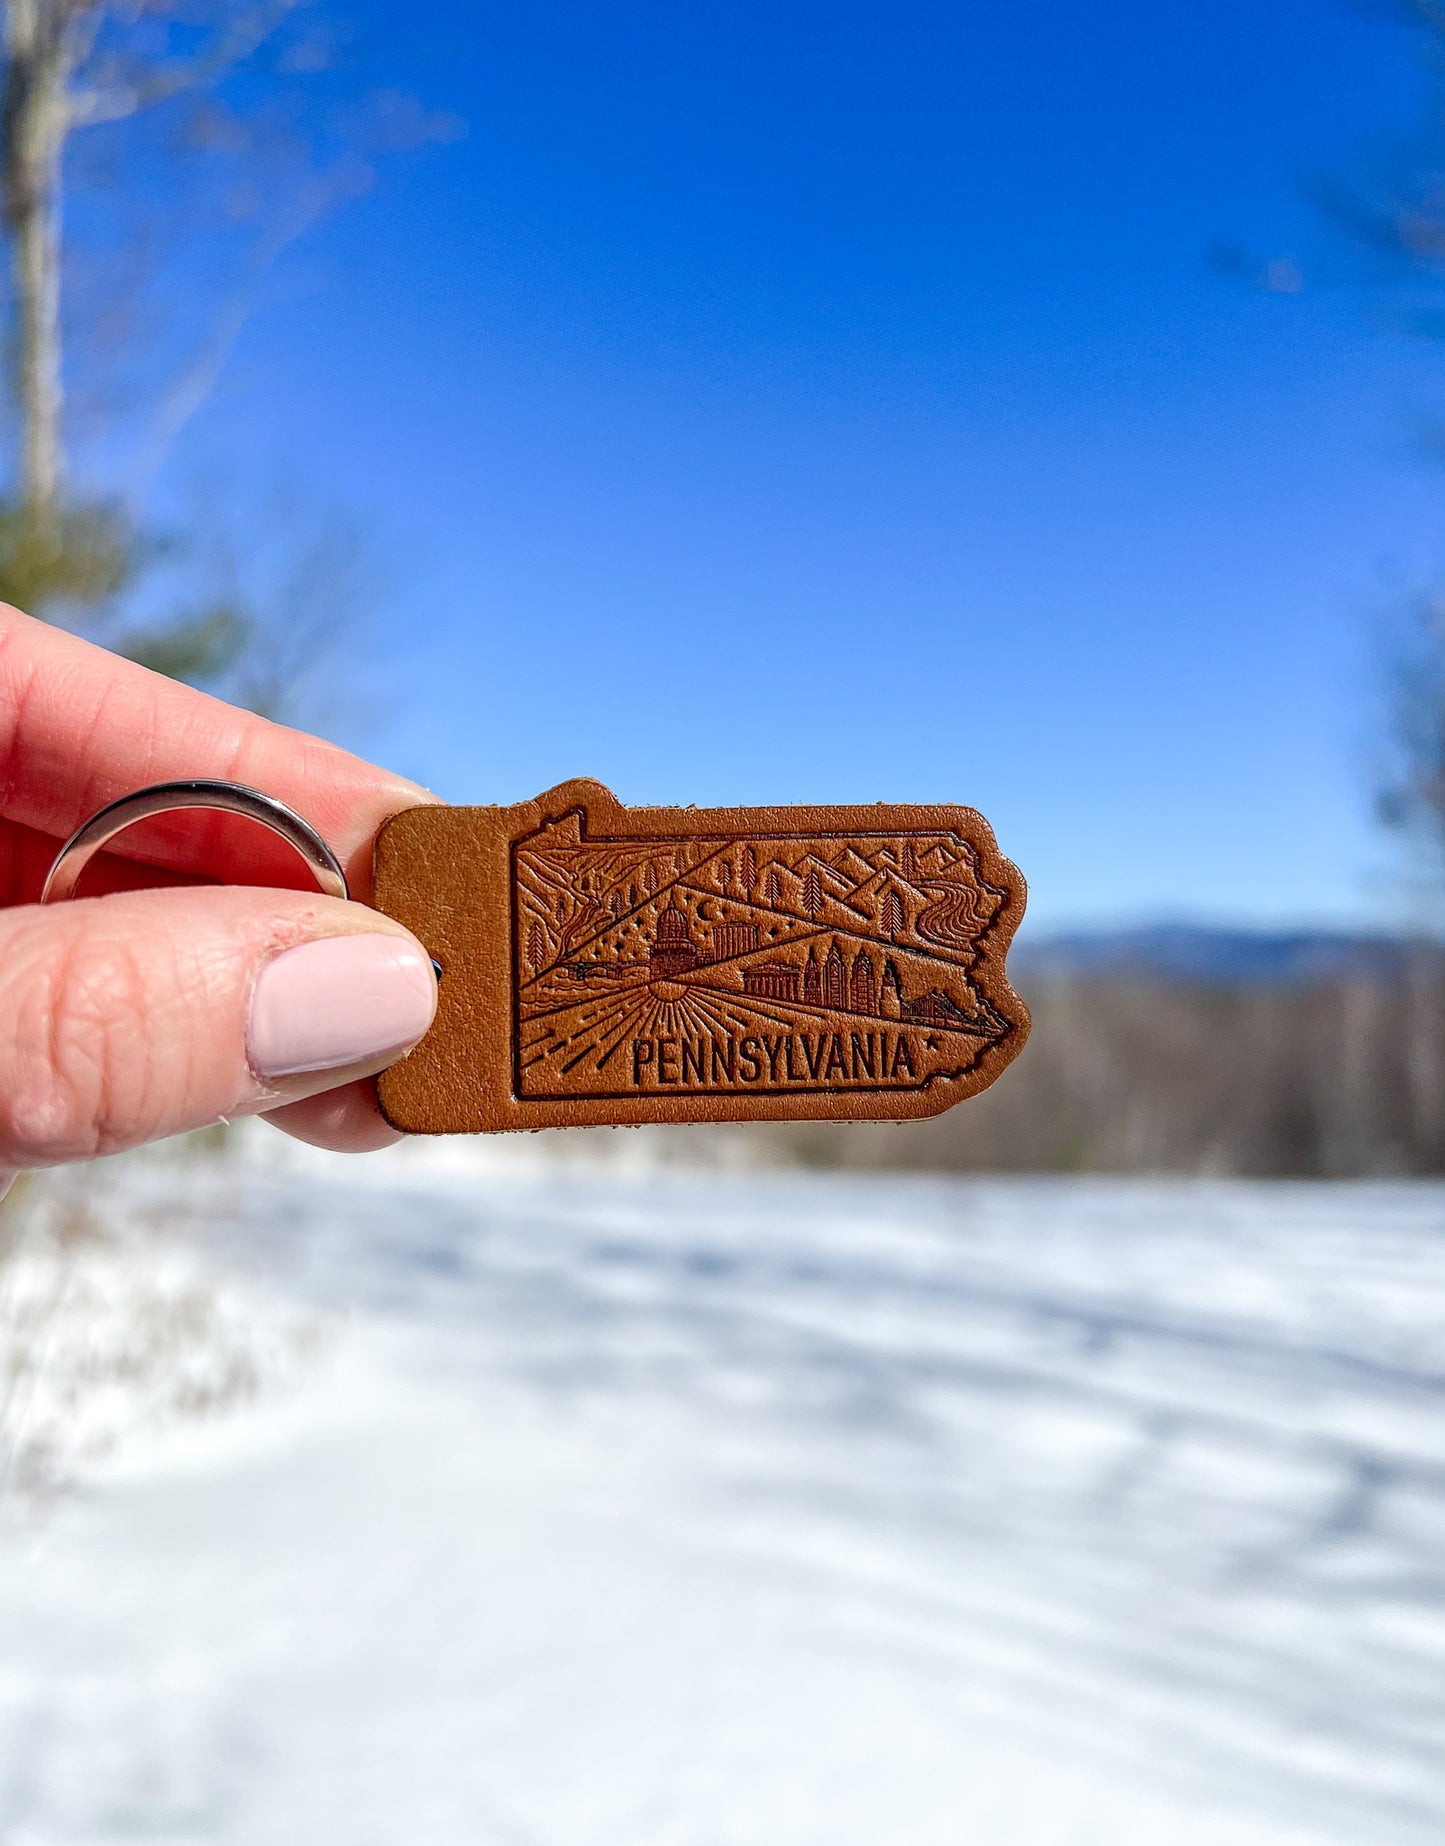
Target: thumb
<point x="127" y="1018"/>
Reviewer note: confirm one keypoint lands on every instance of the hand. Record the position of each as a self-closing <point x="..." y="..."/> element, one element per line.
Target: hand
<point x="137" y="1012"/>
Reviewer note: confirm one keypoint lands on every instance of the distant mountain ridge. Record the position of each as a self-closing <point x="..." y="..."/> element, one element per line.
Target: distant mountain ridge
<point x="1205" y="955"/>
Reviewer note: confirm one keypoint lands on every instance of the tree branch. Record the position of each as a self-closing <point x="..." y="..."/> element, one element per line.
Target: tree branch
<point x="114" y="100"/>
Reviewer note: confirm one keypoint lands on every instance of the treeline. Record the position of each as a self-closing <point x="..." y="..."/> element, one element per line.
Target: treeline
<point x="1327" y="1079"/>
<point x="1341" y="1077"/>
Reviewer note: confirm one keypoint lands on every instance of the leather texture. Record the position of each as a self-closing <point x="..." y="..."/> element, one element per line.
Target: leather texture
<point x="604" y="964"/>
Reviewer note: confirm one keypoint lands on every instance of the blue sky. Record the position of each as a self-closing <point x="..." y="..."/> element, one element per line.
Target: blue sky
<point x="805" y="402"/>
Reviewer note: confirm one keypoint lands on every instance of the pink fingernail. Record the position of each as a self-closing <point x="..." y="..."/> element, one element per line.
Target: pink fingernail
<point x="343" y="1000"/>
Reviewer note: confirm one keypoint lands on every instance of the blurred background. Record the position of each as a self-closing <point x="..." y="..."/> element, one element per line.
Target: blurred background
<point x="515" y="392"/>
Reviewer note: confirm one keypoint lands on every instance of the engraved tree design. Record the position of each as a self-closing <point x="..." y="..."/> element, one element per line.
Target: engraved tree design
<point x="891" y="920"/>
<point x="536" y="947"/>
<point x="773" y="890"/>
<point x="750" y="868"/>
<point x="812" y="894"/>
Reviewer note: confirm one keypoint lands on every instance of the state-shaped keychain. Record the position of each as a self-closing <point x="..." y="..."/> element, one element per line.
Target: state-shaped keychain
<point x="603" y="964"/>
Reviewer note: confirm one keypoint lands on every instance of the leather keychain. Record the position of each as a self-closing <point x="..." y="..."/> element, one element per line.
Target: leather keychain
<point x="605" y="964"/>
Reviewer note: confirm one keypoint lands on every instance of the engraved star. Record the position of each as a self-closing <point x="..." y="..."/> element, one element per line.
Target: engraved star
<point x="933" y="1042"/>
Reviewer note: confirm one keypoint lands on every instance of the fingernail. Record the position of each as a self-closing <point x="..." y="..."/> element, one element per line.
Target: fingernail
<point x="343" y="1000"/>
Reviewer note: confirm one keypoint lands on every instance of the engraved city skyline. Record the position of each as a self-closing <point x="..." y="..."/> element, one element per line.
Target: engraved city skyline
<point x="761" y="964"/>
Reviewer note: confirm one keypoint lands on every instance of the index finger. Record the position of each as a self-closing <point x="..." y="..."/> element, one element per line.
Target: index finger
<point x="80" y="727"/>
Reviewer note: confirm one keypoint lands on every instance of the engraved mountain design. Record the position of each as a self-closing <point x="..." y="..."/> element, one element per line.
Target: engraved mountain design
<point x="776" y="964"/>
<point x="605" y="964"/>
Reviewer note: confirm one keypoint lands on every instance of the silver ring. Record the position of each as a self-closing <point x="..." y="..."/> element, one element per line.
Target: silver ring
<point x="164" y="798"/>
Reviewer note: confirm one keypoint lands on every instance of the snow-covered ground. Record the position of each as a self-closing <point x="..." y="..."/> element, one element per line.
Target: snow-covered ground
<point x="656" y="1509"/>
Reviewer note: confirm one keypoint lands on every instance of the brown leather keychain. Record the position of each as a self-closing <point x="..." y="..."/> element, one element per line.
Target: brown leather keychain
<point x="605" y="964"/>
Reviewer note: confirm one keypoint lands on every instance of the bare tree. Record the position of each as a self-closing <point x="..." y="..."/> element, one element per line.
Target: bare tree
<point x="1396" y="218"/>
<point x="36" y="117"/>
<point x="1411" y="798"/>
<point x="1388" y="220"/>
<point x="69" y="65"/>
<point x="223" y="84"/>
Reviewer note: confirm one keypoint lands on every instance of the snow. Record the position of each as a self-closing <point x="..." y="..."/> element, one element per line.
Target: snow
<point x="627" y="1507"/>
